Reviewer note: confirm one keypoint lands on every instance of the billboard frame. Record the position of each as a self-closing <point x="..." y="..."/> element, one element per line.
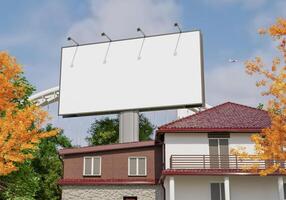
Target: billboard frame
<point x="136" y="109"/>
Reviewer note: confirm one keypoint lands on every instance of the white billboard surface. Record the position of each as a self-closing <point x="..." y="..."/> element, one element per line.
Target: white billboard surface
<point x="157" y="72"/>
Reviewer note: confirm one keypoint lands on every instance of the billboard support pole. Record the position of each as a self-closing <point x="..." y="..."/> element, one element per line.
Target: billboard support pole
<point x="129" y="126"/>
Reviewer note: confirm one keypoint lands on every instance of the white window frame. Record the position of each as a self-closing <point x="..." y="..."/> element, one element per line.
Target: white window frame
<point x="92" y="167"/>
<point x="137" y="166"/>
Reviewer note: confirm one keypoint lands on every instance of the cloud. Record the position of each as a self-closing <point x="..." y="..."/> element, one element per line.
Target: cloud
<point x="231" y="83"/>
<point x="119" y="19"/>
<point x="9" y="41"/>
<point x="228" y="81"/>
<point x="248" y="4"/>
<point x="267" y="16"/>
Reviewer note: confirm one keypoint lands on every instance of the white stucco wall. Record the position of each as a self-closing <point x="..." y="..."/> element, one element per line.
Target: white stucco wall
<point x="254" y="188"/>
<point x="185" y="143"/>
<point x="241" y="140"/>
<point x="192" y="187"/>
<point x="241" y="187"/>
<point x="198" y="143"/>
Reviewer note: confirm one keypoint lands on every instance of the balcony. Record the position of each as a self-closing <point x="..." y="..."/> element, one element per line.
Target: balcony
<point x="216" y="162"/>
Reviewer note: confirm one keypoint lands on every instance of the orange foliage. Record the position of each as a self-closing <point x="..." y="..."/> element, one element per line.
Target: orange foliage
<point x="19" y="127"/>
<point x="271" y="142"/>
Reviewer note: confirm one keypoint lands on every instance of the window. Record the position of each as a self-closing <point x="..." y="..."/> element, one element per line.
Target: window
<point x="137" y="166"/>
<point x="92" y="166"/>
<point x="217" y="191"/>
<point x="129" y="198"/>
<point x="219" y="151"/>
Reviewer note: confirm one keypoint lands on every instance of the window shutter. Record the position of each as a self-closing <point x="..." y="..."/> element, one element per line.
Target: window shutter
<point x="132" y="166"/>
<point x="87" y="166"/>
<point x="141" y="166"/>
<point x="96" y="166"/>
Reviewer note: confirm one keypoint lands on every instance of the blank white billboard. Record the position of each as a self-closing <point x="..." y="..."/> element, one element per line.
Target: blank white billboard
<point x="151" y="73"/>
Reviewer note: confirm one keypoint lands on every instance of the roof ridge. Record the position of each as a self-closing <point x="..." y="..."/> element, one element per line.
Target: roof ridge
<point x="189" y="116"/>
<point x="224" y="106"/>
<point x="246" y="106"/>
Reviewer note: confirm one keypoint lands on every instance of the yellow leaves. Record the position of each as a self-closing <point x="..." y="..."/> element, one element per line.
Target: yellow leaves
<point x="254" y="65"/>
<point x="261" y="83"/>
<point x="49" y="134"/>
<point x="278" y="29"/>
<point x="238" y="151"/>
<point x="19" y="128"/>
<point x="262" y="31"/>
<point x="270" y="170"/>
<point x="270" y="144"/>
<point x="9" y="72"/>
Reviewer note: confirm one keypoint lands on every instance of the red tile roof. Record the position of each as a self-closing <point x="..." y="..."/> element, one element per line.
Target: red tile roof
<point x="109" y="147"/>
<point x="227" y="117"/>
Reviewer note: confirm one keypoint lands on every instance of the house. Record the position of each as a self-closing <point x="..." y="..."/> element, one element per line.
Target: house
<point x="197" y="160"/>
<point x="127" y="171"/>
<point x="189" y="160"/>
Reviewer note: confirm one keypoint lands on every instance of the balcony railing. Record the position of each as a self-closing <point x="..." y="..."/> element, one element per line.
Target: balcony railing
<point x="217" y="162"/>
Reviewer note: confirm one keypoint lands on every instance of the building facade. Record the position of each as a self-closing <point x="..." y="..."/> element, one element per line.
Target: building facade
<point x="126" y="171"/>
<point x="190" y="159"/>
<point x="198" y="160"/>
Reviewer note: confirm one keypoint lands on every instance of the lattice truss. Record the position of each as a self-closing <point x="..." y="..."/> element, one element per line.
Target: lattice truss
<point x="46" y="97"/>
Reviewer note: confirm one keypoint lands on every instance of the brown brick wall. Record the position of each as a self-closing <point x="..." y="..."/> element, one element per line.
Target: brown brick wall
<point x="114" y="164"/>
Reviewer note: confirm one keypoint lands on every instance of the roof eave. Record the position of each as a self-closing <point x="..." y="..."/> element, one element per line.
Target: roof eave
<point x="75" y="151"/>
<point x="209" y="130"/>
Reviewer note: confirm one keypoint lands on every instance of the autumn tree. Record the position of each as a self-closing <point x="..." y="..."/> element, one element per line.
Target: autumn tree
<point x="38" y="178"/>
<point x="20" y="120"/>
<point x="270" y="144"/>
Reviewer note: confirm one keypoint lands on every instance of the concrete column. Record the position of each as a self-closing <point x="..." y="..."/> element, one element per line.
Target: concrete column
<point x="129" y="126"/>
<point x="172" y="188"/>
<point x="281" y="187"/>
<point x="226" y="188"/>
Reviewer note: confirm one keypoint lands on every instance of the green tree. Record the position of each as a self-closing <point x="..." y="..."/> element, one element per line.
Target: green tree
<point x="48" y="165"/>
<point x="106" y="131"/>
<point x="37" y="179"/>
<point x="20" y="185"/>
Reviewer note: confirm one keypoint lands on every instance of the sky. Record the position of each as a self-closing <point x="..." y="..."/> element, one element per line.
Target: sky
<point x="35" y="30"/>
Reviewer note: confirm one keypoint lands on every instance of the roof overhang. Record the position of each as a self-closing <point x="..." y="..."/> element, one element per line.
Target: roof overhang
<point x="109" y="147"/>
<point x="208" y="130"/>
<point x="211" y="172"/>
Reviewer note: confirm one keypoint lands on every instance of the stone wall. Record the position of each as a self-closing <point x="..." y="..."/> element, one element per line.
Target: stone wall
<point x="110" y="192"/>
